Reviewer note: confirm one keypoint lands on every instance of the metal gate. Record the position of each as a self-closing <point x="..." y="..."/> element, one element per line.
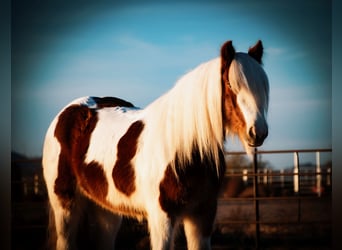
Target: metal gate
<point x="306" y="186"/>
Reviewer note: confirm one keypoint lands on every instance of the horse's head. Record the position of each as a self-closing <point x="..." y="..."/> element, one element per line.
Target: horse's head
<point x="245" y="94"/>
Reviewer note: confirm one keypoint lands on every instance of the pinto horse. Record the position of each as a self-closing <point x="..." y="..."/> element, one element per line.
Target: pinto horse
<point x="164" y="163"/>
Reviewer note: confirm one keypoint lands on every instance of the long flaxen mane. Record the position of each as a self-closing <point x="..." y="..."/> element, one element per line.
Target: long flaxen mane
<point x="189" y="116"/>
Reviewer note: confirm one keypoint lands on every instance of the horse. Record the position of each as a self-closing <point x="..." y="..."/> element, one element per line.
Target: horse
<point x="164" y="163"/>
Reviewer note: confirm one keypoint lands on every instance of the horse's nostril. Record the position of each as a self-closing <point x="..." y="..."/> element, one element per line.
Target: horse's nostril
<point x="256" y="137"/>
<point x="252" y="133"/>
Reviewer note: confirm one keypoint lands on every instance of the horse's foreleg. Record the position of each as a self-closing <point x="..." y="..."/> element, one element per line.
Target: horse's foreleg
<point x="195" y="237"/>
<point x="198" y="227"/>
<point x="161" y="231"/>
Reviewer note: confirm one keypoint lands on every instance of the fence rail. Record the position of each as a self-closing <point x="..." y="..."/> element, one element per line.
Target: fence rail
<point x="30" y="189"/>
<point x="297" y="197"/>
<point x="281" y="151"/>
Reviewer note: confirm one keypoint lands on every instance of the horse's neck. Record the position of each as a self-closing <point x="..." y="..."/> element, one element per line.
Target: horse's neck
<point x="189" y="114"/>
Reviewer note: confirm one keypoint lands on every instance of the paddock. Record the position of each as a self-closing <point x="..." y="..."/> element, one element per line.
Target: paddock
<point x="271" y="210"/>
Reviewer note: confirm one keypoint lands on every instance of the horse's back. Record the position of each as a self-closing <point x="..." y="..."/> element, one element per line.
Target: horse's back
<point x="82" y="134"/>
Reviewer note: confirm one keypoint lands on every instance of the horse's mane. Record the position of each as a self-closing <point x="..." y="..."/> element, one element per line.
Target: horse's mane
<point x="190" y="115"/>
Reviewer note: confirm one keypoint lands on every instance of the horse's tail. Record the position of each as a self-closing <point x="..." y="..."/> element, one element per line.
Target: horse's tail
<point x="51" y="235"/>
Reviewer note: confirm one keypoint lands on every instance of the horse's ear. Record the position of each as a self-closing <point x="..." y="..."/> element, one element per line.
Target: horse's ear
<point x="227" y="54"/>
<point x="256" y="51"/>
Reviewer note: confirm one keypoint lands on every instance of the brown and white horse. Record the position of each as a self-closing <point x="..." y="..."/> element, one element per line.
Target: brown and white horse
<point x="164" y="163"/>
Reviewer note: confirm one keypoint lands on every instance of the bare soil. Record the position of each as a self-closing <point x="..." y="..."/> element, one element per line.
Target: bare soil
<point x="285" y="224"/>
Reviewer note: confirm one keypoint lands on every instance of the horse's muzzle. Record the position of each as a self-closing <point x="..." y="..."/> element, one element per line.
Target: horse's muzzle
<point x="256" y="136"/>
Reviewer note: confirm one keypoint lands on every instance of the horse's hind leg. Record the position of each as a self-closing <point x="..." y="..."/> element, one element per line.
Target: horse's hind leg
<point x="65" y="230"/>
<point x="66" y="220"/>
<point x="104" y="226"/>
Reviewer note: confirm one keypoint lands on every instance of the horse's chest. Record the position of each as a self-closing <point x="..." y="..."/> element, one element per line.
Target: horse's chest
<point x="196" y="185"/>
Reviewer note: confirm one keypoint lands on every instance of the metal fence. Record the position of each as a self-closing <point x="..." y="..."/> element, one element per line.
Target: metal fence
<point x="303" y="185"/>
<point x="298" y="188"/>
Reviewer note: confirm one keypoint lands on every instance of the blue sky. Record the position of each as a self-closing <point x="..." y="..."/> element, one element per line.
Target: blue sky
<point x="64" y="50"/>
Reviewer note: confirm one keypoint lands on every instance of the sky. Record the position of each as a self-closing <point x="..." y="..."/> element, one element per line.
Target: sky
<point x="137" y="51"/>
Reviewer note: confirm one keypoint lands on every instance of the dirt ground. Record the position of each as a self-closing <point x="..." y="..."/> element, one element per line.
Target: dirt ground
<point x="282" y="226"/>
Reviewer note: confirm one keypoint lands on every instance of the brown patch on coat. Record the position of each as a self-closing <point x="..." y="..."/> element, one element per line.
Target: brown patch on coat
<point x="123" y="171"/>
<point x="73" y="130"/>
<point x="233" y="119"/>
<point x="108" y="101"/>
<point x="193" y="193"/>
<point x="93" y="181"/>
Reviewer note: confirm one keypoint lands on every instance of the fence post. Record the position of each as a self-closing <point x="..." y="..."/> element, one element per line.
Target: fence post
<point x="36" y="184"/>
<point x="245" y="176"/>
<point x="265" y="179"/>
<point x="282" y="178"/>
<point x="296" y="182"/>
<point x="328" y="177"/>
<point x="295" y="172"/>
<point x="256" y="200"/>
<point x="318" y="175"/>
